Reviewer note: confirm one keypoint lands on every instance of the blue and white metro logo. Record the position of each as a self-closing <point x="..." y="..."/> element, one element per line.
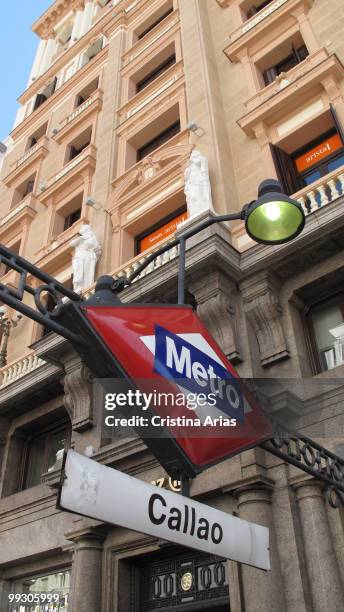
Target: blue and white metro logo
<point x="190" y="361"/>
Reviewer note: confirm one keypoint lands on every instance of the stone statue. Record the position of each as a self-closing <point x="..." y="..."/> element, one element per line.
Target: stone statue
<point x="197" y="185"/>
<point x="86" y="255"/>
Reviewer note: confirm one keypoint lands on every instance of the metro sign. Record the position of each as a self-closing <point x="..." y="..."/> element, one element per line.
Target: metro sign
<point x="168" y="350"/>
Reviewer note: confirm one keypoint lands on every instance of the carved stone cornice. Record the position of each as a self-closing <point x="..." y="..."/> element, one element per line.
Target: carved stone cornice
<point x="264" y="313"/>
<point x="216" y="307"/>
<point x="44" y="26"/>
<point x="77" y="384"/>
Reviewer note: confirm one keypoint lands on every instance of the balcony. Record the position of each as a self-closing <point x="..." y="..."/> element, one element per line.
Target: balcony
<point x="309" y="79"/>
<point x="321" y="192"/>
<point x="130" y="266"/>
<point x="287" y="79"/>
<point x="312" y="198"/>
<point x="174" y="74"/>
<point x="19" y="368"/>
<point x="278" y="14"/>
<point x="91" y="106"/>
<point x="152" y="40"/>
<point x="83" y="164"/>
<point x="32" y="157"/>
<point x="19" y="215"/>
<point x="58" y="250"/>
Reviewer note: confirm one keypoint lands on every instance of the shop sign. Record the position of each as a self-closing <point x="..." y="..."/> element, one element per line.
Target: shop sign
<point x="100" y="492"/>
<point x="161" y="233"/>
<point x="316" y="154"/>
<point x="183" y="382"/>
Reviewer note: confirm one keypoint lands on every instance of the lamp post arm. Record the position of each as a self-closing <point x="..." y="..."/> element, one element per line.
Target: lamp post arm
<point x="181" y="240"/>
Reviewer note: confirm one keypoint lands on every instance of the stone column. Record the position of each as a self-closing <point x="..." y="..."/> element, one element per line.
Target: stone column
<point x="262" y="590"/>
<point x="86" y="585"/>
<point x="49" y="51"/>
<point x="35" y="70"/>
<point x="322" y="566"/>
<point x="86" y="18"/>
<point x="77" y="24"/>
<point x="5" y="589"/>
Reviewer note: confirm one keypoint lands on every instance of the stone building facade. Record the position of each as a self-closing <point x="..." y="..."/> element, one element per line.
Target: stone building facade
<point x="119" y="95"/>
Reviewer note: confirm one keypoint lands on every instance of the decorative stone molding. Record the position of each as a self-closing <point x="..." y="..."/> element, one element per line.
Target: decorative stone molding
<point x="216" y="307"/>
<point x="263" y="310"/>
<point x="78" y="395"/>
<point x="176" y="152"/>
<point x="44" y="26"/>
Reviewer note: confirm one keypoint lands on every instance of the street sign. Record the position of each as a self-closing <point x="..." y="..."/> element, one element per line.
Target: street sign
<point x="102" y="493"/>
<point x="167" y="349"/>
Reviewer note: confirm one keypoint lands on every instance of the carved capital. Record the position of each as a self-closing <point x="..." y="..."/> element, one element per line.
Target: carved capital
<point x="264" y="313"/>
<point x="215" y="299"/>
<point x="78" y="395"/>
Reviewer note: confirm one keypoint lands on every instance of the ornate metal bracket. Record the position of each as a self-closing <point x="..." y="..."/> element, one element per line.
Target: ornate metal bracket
<point x="293" y="448"/>
<point x="13" y="295"/>
<point x="315" y="460"/>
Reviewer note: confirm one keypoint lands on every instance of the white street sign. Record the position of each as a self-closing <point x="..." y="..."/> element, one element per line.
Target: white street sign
<point x="100" y="492"/>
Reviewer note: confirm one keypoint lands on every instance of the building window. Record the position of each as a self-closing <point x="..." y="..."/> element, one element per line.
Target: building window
<point x="288" y="62"/>
<point x="23" y="190"/>
<point x="56" y="583"/>
<point x="37" y="134"/>
<point x="79" y="144"/>
<point x="43" y="450"/>
<point x="86" y="92"/>
<point x="67" y="214"/>
<point x="255" y="8"/>
<point x="154" y="21"/>
<point x="319" y="158"/>
<point x="154" y="74"/>
<point x="310" y="162"/>
<point x="327" y="333"/>
<point x="45" y="94"/>
<point x="158" y="140"/>
<point x="92" y="51"/>
<point x="159" y="231"/>
<point x="72" y="218"/>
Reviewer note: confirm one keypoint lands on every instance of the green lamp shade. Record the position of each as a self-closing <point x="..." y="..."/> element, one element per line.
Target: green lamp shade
<point x="274" y="219"/>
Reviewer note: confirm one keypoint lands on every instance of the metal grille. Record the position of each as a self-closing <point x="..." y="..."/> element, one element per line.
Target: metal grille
<point x="187" y="582"/>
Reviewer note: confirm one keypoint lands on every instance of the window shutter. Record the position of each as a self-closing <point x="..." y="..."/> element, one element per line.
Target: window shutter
<point x="270" y="75"/>
<point x="251" y="11"/>
<point x="286" y="171"/>
<point x="337" y="122"/>
<point x="301" y="53"/>
<point x="40" y="98"/>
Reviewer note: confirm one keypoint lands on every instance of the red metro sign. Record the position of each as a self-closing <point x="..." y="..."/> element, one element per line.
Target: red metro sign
<point x="165" y="352"/>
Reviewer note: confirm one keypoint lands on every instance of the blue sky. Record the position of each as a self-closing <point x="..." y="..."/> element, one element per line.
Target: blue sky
<point x="18" y="45"/>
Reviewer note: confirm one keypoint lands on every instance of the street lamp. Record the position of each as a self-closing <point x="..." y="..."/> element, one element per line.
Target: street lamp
<point x="274" y="218"/>
<point x="5" y="327"/>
